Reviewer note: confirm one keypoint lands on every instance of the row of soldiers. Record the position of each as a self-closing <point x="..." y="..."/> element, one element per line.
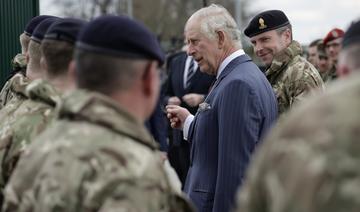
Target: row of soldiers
<point x="324" y="53"/>
<point x="95" y="154"/>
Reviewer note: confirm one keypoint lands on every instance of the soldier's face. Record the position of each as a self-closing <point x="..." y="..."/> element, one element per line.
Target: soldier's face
<point x="324" y="64"/>
<point x="204" y="50"/>
<point x="313" y="56"/>
<point x="268" y="44"/>
<point x="333" y="48"/>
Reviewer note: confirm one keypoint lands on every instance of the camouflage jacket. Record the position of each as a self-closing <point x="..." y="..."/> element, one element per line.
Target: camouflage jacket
<point x="13" y="92"/>
<point x="96" y="157"/>
<point x="26" y="122"/>
<point x="19" y="66"/>
<point x="310" y="161"/>
<point x="292" y="77"/>
<point x="330" y="75"/>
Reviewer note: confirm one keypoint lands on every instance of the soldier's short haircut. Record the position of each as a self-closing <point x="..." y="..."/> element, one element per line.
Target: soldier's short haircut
<point x="216" y="17"/>
<point x="283" y="29"/>
<point x="104" y="73"/>
<point x="34" y="55"/>
<point x="24" y="41"/>
<point x="58" y="55"/>
<point x="351" y="56"/>
<point x="315" y="42"/>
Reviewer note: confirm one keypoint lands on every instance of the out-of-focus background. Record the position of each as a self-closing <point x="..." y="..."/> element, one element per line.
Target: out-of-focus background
<point x="311" y="19"/>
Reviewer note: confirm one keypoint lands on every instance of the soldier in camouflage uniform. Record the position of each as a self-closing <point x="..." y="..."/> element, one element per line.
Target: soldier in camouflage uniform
<point x="324" y="64"/>
<point x="310" y="162"/>
<point x="291" y="76"/>
<point x="332" y="44"/>
<point x="98" y="156"/>
<point x="35" y="113"/>
<point x="19" y="63"/>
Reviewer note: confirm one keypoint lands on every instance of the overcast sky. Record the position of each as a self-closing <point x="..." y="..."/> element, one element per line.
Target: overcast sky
<point x="311" y="19"/>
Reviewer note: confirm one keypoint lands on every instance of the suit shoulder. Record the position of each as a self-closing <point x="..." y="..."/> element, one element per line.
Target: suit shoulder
<point x="175" y="57"/>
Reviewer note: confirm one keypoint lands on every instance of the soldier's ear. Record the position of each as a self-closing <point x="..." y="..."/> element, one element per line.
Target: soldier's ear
<point x="287" y="35"/>
<point x="27" y="57"/>
<point x="72" y="76"/>
<point x="342" y="70"/>
<point x="43" y="64"/>
<point x="150" y="78"/>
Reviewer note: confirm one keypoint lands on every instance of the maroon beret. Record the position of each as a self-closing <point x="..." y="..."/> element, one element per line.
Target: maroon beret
<point x="333" y="34"/>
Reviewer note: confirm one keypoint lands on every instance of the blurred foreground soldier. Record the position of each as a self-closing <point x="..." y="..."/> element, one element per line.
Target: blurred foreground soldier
<point x="98" y="156"/>
<point x="313" y="52"/>
<point x="332" y="43"/>
<point x="349" y="57"/>
<point x="324" y="64"/>
<point x="291" y="76"/>
<point x="17" y="78"/>
<point x="310" y="162"/>
<point x="236" y="113"/>
<point x="35" y="113"/>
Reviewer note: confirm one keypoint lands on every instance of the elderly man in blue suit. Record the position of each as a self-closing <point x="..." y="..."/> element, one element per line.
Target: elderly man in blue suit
<point x="237" y="112"/>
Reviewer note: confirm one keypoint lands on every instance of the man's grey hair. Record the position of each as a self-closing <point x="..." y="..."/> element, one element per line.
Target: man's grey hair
<point x="284" y="28"/>
<point x="214" y="18"/>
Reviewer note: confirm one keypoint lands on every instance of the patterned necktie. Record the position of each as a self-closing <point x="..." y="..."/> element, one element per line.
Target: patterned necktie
<point x="191" y="72"/>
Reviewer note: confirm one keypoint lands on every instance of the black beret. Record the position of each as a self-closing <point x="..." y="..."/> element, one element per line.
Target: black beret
<point x="32" y="24"/>
<point x="352" y="35"/>
<point x="40" y="30"/>
<point x="65" y="29"/>
<point x="120" y="36"/>
<point x="266" y="21"/>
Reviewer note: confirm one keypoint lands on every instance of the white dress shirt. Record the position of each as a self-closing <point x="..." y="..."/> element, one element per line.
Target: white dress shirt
<point x="186" y="70"/>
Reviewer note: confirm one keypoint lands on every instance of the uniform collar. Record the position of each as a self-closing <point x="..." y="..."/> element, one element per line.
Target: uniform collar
<point x="101" y="110"/>
<point x="284" y="57"/>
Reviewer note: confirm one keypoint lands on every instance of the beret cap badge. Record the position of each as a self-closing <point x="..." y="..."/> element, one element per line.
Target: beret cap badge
<point x="262" y="24"/>
<point x="335" y="34"/>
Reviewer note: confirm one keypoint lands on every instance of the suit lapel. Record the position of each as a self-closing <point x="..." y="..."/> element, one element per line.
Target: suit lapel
<point x="228" y="69"/>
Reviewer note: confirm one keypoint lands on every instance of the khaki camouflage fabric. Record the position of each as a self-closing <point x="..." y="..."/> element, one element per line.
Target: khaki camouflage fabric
<point x="292" y="77"/>
<point x="96" y="157"/>
<point x="13" y="92"/>
<point x="330" y="75"/>
<point x="310" y="161"/>
<point x="27" y="121"/>
<point x="18" y="65"/>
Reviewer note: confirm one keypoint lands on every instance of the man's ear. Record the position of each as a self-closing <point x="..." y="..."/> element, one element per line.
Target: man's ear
<point x="343" y="71"/>
<point x="287" y="35"/>
<point x="221" y="39"/>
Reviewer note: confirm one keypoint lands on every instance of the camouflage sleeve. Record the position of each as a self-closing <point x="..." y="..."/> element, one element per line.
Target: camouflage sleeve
<point x="4" y="94"/>
<point x="68" y="183"/>
<point x="301" y="88"/>
<point x="251" y="197"/>
<point x="24" y="129"/>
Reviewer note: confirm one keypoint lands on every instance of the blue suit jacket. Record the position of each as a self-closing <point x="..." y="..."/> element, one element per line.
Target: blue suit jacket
<point x="227" y="127"/>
